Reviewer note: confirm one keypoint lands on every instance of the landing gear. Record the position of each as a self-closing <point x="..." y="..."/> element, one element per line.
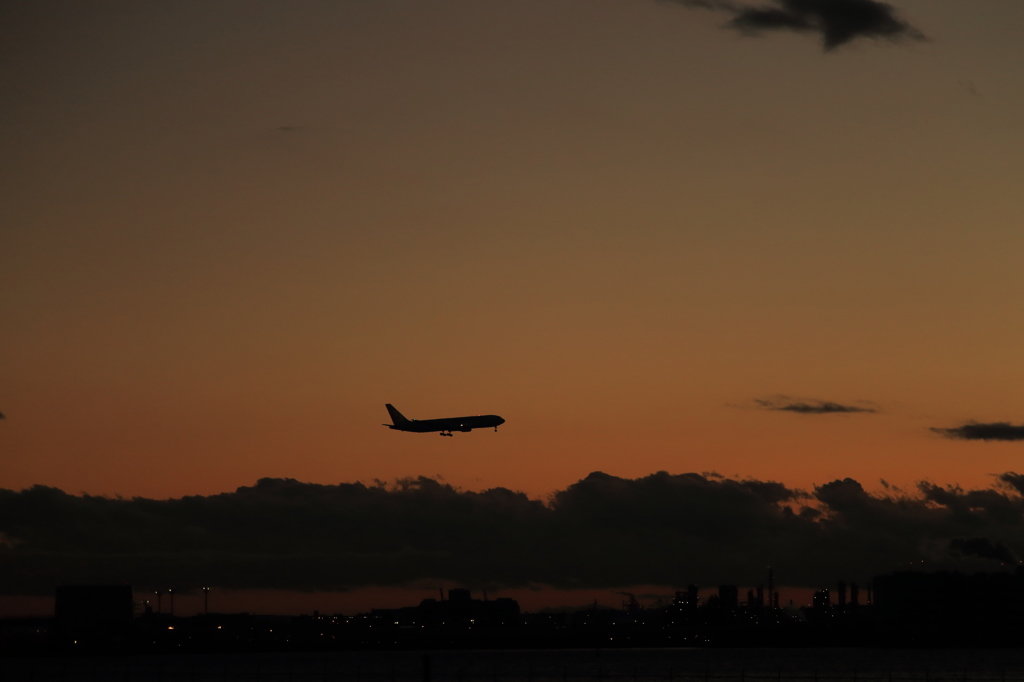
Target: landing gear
<point x="446" y="434"/>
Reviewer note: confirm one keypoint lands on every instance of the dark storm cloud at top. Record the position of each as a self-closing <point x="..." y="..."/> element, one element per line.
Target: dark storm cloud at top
<point x="785" y="404"/>
<point x="600" y="532"/>
<point x="837" y="21"/>
<point x="991" y="431"/>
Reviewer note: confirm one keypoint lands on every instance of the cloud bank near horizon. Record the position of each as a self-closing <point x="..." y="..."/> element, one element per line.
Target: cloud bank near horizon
<point x="600" y="532"/>
<point x="838" y="22"/>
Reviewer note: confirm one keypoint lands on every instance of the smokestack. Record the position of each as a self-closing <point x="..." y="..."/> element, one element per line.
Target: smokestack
<point x="771" y="588"/>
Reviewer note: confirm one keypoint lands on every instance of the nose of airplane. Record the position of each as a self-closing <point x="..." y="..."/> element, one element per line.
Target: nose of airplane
<point x="501" y="420"/>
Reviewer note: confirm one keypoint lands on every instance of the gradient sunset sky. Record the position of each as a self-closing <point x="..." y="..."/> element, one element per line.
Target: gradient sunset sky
<point x="233" y="231"/>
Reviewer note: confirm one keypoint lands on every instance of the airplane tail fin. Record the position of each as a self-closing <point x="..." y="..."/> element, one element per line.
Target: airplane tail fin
<point x="396" y="417"/>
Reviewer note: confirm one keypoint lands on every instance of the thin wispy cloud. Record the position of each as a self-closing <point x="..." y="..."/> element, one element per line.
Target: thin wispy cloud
<point x="786" y="404"/>
<point x="1003" y="431"/>
<point x="837" y="22"/>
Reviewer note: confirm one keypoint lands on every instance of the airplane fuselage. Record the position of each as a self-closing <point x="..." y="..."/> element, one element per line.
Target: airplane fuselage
<point x="445" y="426"/>
<point x="450" y="424"/>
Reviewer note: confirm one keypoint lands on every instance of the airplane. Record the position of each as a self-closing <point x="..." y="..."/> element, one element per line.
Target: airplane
<point x="445" y="426"/>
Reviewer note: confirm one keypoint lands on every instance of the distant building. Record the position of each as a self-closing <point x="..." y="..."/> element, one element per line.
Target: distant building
<point x="459" y="595"/>
<point x="728" y="596"/>
<point x="459" y="611"/>
<point x="822" y="600"/>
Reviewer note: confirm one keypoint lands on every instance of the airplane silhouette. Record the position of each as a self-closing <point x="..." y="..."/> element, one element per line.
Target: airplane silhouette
<point x="445" y="426"/>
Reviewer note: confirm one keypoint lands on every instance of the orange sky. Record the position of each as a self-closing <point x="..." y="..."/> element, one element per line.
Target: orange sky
<point x="232" y="231"/>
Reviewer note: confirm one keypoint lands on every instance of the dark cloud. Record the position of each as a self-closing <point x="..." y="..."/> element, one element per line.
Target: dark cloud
<point x="1012" y="481"/>
<point x="976" y="431"/>
<point x="600" y="532"/>
<point x="982" y="547"/>
<point x="838" y="22"/>
<point x="785" y="404"/>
